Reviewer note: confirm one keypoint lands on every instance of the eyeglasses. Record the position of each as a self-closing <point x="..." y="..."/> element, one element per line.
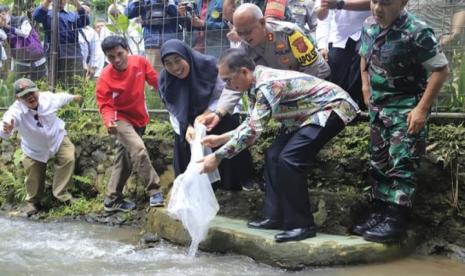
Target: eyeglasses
<point x="228" y="79"/>
<point x="36" y="117"/>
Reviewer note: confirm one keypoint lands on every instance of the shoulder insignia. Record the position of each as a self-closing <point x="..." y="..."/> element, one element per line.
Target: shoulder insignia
<point x="270" y="36"/>
<point x="280" y="46"/>
<point x="302" y="49"/>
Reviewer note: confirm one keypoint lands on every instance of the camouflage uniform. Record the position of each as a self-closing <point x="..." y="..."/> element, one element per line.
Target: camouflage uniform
<point x="397" y="59"/>
<point x="288" y="48"/>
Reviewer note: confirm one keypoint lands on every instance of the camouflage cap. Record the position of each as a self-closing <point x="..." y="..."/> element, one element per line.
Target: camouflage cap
<point x="24" y="86"/>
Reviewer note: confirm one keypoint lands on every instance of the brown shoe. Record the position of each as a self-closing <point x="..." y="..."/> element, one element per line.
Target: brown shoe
<point x="31" y="209"/>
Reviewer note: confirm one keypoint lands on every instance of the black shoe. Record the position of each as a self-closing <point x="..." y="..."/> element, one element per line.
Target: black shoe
<point x="393" y="227"/>
<point x="375" y="217"/>
<point x="296" y="234"/>
<point x="265" y="224"/>
<point x="372" y="220"/>
<point x="119" y="206"/>
<point x="249" y="185"/>
<point x="156" y="200"/>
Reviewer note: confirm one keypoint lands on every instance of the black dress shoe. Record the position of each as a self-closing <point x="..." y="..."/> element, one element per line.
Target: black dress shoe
<point x="296" y="234"/>
<point x="265" y="224"/>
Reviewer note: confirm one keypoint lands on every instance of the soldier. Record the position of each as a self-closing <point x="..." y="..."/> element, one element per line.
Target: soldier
<point x="397" y="51"/>
<point x="276" y="44"/>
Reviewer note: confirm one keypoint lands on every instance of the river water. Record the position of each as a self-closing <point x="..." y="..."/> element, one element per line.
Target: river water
<point x="37" y="248"/>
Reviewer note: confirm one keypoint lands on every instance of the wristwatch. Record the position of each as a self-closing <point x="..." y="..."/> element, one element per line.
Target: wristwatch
<point x="219" y="114"/>
<point x="340" y="4"/>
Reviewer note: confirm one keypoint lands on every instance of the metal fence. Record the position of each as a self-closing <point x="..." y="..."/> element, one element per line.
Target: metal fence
<point x="73" y="58"/>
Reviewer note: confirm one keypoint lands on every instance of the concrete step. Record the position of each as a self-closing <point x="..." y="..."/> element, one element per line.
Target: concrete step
<point x="233" y="236"/>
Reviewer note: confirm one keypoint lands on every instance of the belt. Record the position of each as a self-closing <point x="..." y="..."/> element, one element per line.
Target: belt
<point x="32" y="64"/>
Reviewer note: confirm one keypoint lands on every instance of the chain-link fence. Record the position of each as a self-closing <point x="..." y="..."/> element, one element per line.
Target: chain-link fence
<point x="59" y="40"/>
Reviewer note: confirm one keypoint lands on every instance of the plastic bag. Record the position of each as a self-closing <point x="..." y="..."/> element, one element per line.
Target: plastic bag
<point x="192" y="200"/>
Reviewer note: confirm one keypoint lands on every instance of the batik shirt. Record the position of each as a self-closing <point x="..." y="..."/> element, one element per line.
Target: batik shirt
<point x="292" y="98"/>
<point x="398" y="59"/>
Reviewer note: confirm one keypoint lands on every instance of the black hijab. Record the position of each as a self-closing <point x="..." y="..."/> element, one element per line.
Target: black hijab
<point x="189" y="97"/>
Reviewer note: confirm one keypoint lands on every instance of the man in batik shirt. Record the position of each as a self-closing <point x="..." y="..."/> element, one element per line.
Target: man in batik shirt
<point x="397" y="52"/>
<point x="311" y="110"/>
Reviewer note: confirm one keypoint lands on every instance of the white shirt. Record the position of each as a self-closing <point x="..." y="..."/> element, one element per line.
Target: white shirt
<point x="39" y="143"/>
<point x="339" y="26"/>
<point x="93" y="45"/>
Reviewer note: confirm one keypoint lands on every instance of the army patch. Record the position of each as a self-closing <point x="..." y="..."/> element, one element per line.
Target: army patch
<point x="302" y="49"/>
<point x="270" y="36"/>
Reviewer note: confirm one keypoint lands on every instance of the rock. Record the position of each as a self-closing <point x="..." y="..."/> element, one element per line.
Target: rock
<point x="232" y="235"/>
<point x="148" y="240"/>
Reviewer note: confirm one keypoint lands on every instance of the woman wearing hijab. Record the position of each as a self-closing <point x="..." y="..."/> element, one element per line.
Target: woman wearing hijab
<point x="190" y="86"/>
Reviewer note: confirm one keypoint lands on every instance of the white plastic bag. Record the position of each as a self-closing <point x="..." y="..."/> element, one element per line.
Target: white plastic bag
<point x="192" y="200"/>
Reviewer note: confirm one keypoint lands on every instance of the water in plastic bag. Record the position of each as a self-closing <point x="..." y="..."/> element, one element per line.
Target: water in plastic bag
<point x="192" y="200"/>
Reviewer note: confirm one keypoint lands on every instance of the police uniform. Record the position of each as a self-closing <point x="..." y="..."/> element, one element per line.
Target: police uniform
<point x="302" y="13"/>
<point x="288" y="48"/>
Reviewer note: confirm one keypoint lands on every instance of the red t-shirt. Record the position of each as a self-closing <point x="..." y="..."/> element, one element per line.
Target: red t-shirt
<point x="120" y="95"/>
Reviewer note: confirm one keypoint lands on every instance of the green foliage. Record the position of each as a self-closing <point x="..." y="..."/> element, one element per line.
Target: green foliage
<point x="12" y="189"/>
<point x="447" y="143"/>
<point x="80" y="207"/>
<point x="452" y="97"/>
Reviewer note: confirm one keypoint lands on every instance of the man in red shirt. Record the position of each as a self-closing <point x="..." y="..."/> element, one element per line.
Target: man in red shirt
<point x="121" y="101"/>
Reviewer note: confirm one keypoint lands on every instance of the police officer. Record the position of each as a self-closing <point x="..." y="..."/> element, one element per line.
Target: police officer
<point x="276" y="44"/>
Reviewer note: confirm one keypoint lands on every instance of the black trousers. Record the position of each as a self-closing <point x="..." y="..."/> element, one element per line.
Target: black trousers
<point x="233" y="171"/>
<point x="286" y="164"/>
<point x="345" y="70"/>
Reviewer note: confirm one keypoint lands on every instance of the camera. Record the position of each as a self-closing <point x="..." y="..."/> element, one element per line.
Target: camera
<point x="191" y="8"/>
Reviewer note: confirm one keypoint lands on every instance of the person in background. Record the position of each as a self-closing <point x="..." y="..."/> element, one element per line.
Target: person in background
<point x="90" y="47"/>
<point x="43" y="137"/>
<point x="206" y="26"/>
<point x="160" y="23"/>
<point x="338" y="39"/>
<point x="397" y="51"/>
<point x="303" y="14"/>
<point x="189" y="87"/>
<point x="70" y="62"/>
<point x="446" y="18"/>
<point x="311" y="110"/>
<point x="120" y="94"/>
<point x="25" y="45"/>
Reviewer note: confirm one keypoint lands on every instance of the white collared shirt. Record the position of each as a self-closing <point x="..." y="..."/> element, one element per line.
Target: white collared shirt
<point x="39" y="143"/>
<point x="339" y="26"/>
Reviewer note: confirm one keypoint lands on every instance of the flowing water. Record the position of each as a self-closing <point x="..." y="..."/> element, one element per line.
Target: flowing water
<point x="36" y="248"/>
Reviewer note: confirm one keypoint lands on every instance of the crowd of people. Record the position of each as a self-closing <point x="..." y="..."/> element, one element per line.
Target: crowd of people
<point x="369" y="54"/>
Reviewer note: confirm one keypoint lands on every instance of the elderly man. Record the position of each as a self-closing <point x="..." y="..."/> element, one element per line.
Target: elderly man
<point x="43" y="137"/>
<point x="276" y="44"/>
<point x="312" y="111"/>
